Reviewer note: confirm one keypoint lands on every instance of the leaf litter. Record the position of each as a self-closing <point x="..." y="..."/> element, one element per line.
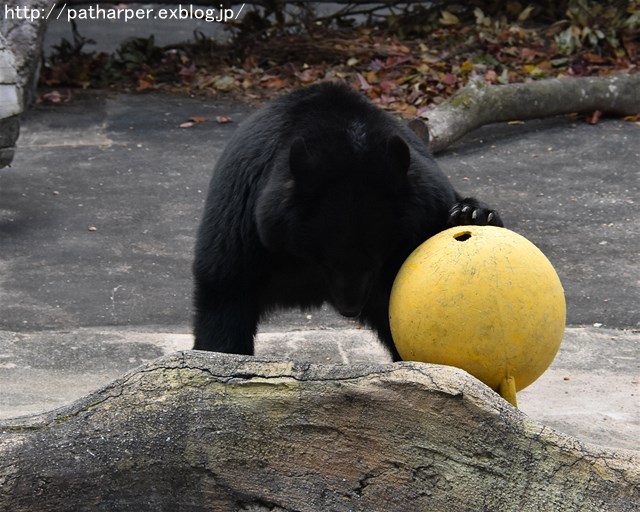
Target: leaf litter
<point x="407" y="68"/>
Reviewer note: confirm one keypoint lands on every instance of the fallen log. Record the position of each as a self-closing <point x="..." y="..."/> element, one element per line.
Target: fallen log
<point x="479" y="103"/>
<point x="201" y="431"/>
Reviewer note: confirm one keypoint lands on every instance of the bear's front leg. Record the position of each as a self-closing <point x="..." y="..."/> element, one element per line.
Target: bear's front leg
<point x="375" y="315"/>
<point x="470" y="211"/>
<point x="224" y="322"/>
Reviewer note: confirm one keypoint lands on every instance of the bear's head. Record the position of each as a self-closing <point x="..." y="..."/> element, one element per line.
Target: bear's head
<point x="339" y="207"/>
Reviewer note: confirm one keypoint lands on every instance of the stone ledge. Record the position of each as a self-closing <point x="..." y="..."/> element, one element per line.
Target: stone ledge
<point x="203" y="431"/>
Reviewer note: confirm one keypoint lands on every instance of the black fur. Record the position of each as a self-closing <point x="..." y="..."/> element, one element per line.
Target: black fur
<point x="319" y="197"/>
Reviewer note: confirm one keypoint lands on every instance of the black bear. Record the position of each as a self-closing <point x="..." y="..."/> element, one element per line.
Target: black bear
<point x="319" y="197"/>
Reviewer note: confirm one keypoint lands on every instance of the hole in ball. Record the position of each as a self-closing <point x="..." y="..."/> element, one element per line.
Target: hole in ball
<point x="461" y="237"/>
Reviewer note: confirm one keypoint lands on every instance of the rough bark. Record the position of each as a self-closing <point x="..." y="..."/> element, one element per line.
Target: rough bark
<point x="201" y="431"/>
<point x="10" y="104"/>
<point x="479" y="103"/>
<point x="25" y="39"/>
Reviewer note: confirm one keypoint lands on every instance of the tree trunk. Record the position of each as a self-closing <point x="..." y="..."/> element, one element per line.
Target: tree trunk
<point x="479" y="103"/>
<point x="202" y="431"/>
<point x="10" y="104"/>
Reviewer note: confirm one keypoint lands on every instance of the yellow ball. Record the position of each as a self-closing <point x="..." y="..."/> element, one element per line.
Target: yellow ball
<point x="483" y="299"/>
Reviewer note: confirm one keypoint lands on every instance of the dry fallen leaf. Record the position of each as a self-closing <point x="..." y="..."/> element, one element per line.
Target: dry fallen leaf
<point x="362" y="82"/>
<point x="307" y="76"/>
<point x="466" y="66"/>
<point x="592" y="58"/>
<point x="223" y="119"/>
<point x="225" y="83"/>
<point x="594" y="118"/>
<point x="198" y="119"/>
<point x="533" y="70"/>
<point x="186" y="125"/>
<point x="408" y="111"/>
<point x="274" y="82"/>
<point x="449" y="79"/>
<point x="491" y="76"/>
<point x="387" y="86"/>
<point x="145" y="84"/>
<point x="448" y="19"/>
<point x="530" y="54"/>
<point x="55" y="97"/>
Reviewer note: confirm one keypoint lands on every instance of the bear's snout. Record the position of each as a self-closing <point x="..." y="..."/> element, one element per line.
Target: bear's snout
<point x="350" y="292"/>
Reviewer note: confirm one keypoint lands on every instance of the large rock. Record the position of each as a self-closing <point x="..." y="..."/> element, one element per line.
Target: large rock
<point x="10" y="104"/>
<point x="199" y="431"/>
<point x="23" y="24"/>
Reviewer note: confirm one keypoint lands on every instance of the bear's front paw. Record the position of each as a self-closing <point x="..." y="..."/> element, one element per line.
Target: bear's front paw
<point x="471" y="212"/>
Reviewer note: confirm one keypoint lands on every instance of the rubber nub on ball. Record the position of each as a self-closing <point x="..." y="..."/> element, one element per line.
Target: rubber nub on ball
<point x="508" y="390"/>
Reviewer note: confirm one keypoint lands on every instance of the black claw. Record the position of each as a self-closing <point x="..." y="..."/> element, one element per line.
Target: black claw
<point x="454" y="214"/>
<point x="469" y="212"/>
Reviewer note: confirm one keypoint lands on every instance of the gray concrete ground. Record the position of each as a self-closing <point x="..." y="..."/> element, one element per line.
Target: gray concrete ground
<point x="97" y="222"/>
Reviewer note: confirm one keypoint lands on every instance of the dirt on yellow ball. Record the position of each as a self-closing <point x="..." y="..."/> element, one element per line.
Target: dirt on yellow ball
<point x="483" y="299"/>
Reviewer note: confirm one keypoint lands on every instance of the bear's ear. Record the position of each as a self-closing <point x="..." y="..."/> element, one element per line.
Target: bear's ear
<point x="420" y="128"/>
<point x="299" y="158"/>
<point x="398" y="154"/>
